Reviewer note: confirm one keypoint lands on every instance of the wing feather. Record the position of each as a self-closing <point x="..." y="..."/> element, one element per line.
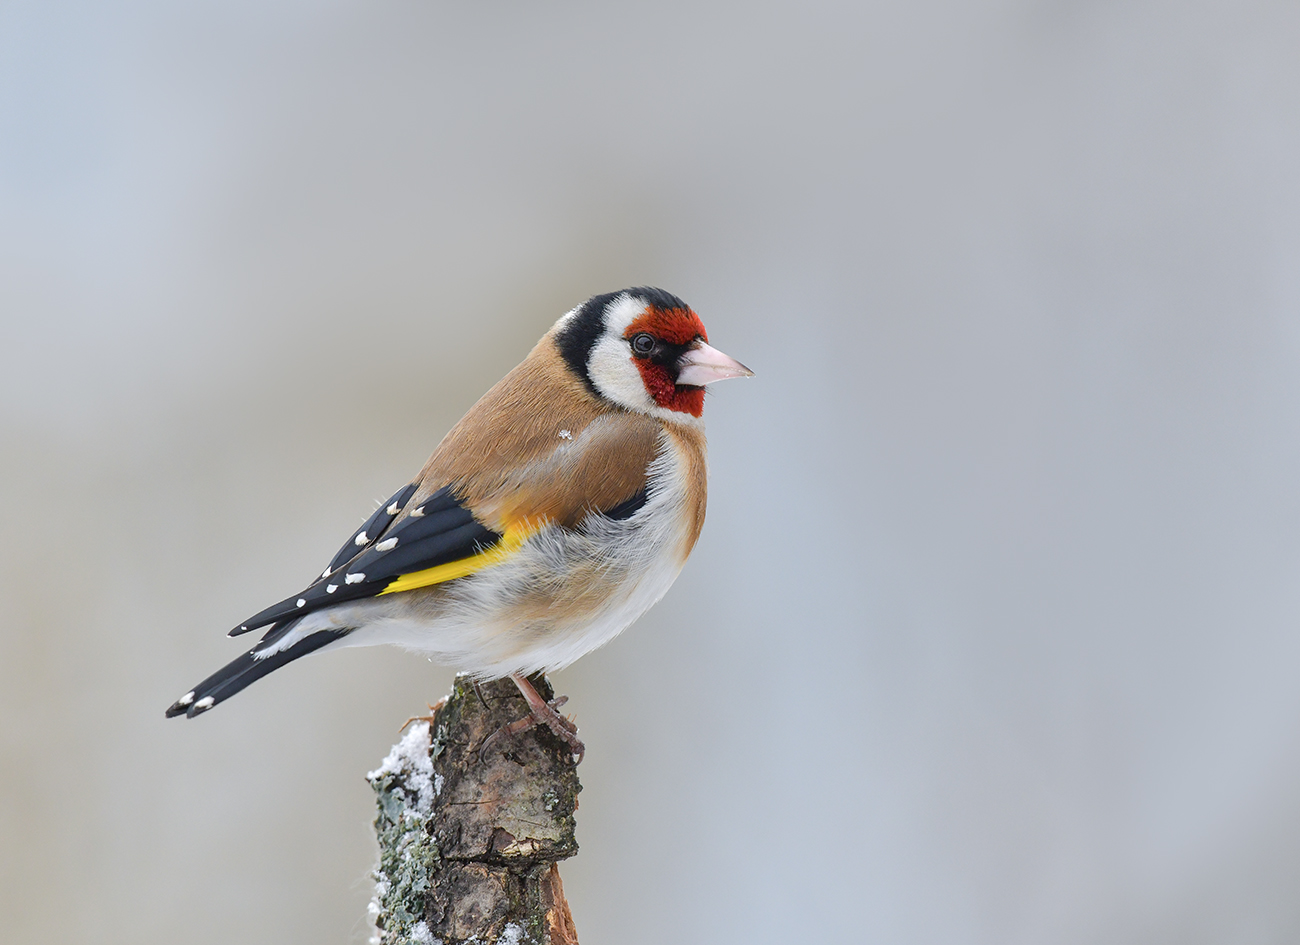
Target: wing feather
<point x="438" y="531"/>
<point x="373" y="527"/>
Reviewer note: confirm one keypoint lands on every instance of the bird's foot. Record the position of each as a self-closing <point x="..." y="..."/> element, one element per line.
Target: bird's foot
<point x="433" y="711"/>
<point x="540" y="712"/>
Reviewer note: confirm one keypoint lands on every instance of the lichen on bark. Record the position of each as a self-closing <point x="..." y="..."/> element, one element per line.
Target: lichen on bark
<point x="468" y="844"/>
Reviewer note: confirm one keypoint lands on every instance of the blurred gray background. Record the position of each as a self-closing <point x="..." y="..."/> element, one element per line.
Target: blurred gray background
<point x="992" y="635"/>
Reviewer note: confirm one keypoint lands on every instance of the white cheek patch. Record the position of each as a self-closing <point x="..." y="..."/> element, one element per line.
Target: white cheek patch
<point x="611" y="369"/>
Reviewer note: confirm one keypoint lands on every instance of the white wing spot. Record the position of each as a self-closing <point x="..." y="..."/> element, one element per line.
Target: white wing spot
<point x="386" y="545"/>
<point x="417" y="512"/>
<point x="331" y="588"/>
<point x="302" y="602"/>
<point x="361" y="539"/>
<point x="186" y="699"/>
<point x="392" y="509"/>
<point x="206" y="702"/>
<point x="566" y="435"/>
<point x="355" y="578"/>
<point x="324" y="574"/>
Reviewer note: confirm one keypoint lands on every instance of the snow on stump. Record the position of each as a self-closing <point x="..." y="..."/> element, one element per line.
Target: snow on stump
<point x="468" y="847"/>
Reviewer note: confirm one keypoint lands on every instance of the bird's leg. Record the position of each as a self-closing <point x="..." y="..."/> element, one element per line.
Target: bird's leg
<point x="541" y="712"/>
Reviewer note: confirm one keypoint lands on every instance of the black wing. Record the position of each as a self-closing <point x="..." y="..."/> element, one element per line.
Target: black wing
<point x="438" y="531"/>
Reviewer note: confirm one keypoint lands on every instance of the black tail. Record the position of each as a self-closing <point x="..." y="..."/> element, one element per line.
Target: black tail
<point x="247" y="669"/>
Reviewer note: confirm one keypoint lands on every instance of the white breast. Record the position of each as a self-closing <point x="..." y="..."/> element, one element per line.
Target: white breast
<point x="566" y="592"/>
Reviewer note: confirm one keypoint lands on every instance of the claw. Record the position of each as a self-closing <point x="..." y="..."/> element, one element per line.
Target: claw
<point x="541" y="712"/>
<point x="433" y="711"/>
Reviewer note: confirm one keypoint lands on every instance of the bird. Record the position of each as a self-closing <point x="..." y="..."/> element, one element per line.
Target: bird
<point x="557" y="511"/>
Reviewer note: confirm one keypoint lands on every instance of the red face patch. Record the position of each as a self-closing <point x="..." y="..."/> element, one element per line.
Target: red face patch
<point x="677" y="326"/>
<point x="667" y="394"/>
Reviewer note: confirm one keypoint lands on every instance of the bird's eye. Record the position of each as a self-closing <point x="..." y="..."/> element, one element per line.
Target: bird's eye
<point x="642" y="344"/>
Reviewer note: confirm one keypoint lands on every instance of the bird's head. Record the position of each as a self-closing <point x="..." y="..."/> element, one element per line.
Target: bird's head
<point x="646" y="350"/>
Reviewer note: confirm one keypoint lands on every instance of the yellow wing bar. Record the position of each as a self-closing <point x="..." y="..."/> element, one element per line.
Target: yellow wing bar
<point x="510" y="542"/>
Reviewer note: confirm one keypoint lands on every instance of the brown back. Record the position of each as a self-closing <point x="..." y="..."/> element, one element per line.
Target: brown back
<point x="539" y="445"/>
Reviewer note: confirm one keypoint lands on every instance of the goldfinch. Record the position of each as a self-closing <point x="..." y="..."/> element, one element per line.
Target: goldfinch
<point x="554" y="514"/>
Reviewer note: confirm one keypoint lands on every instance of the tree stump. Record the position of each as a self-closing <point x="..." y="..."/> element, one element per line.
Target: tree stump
<point x="469" y="846"/>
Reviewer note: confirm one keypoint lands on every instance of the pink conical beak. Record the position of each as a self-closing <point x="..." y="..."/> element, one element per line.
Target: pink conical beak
<point x="704" y="365"/>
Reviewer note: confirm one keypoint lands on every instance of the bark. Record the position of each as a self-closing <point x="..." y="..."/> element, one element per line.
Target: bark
<point x="468" y="847"/>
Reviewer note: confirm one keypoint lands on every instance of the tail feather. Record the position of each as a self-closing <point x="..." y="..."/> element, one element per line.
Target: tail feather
<point x="244" y="670"/>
